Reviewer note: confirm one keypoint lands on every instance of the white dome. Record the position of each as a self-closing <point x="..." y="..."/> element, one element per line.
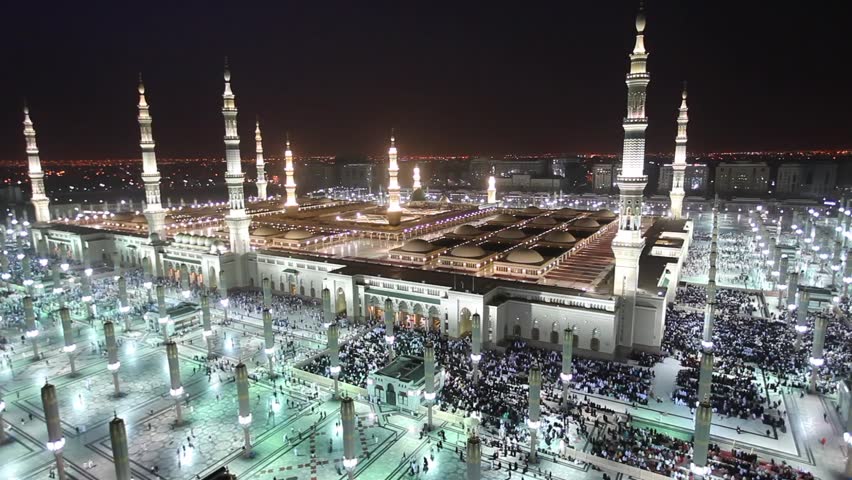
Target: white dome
<point x="265" y="231"/>
<point x="298" y="234"/>
<point x="605" y="214"/>
<point x="586" y="223"/>
<point x="559" y="237"/>
<point x="468" y="251"/>
<point x="544" y="221"/>
<point x="505" y="218"/>
<point x="467" y="230"/>
<point x="417" y="246"/>
<point x="532" y="209"/>
<point x="525" y="256"/>
<point x="511" y="234"/>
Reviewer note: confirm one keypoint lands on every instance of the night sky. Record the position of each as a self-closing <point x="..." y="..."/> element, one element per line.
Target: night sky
<point x="453" y="78"/>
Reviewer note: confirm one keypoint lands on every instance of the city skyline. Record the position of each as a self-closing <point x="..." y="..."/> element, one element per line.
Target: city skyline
<point x="477" y="81"/>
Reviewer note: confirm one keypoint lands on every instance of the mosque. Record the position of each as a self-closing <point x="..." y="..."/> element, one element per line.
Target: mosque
<point x="529" y="273"/>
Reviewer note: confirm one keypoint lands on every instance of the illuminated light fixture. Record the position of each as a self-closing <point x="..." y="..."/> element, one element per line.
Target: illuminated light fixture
<point x="269" y="351"/>
<point x="42" y="262"/>
<point x="86" y="298"/>
<point x="64" y="267"/>
<point x="112" y="367"/>
<point x="32" y="333"/>
<point x="533" y="425"/>
<point x="801" y="328"/>
<point x="69" y="348"/>
<point x="429" y="396"/>
<point x="163" y="320"/>
<point x="207" y="333"/>
<point x="224" y="302"/>
<point x="697" y="470"/>
<point x="390" y="339"/>
<point x="707" y="345"/>
<point x="350" y="463"/>
<point x="57" y="445"/>
<point x="244" y="420"/>
<point x="566" y="377"/>
<point x="176" y="392"/>
<point x="817" y="362"/>
<point x="475" y="358"/>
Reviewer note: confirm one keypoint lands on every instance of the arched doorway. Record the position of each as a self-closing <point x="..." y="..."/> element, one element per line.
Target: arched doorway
<point x="434" y="319"/>
<point x="390" y="398"/>
<point x="418" y="315"/>
<point x="211" y="278"/>
<point x="535" y="334"/>
<point x="554" y="337"/>
<point x="292" y="281"/>
<point x="516" y="330"/>
<point x="302" y="288"/>
<point x="402" y="315"/>
<point x="595" y="344"/>
<point x="465" y="324"/>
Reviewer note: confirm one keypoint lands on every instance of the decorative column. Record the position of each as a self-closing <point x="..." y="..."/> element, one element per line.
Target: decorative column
<point x="492" y="190"/>
<point x="68" y="336"/>
<point x="474" y="458"/>
<point x="120" y="455"/>
<point x="266" y="289"/>
<point x="567" y="358"/>
<point x="792" y="288"/>
<point x="534" y="410"/>
<point x="291" y="206"/>
<point x="86" y="293"/>
<point x="2" y="425"/>
<point x="847" y="437"/>
<point x="40" y="202"/>
<point x="389" y="333"/>
<point x="163" y="314"/>
<point x="802" y="315"/>
<point x="334" y="355"/>
<point x="176" y="390"/>
<point x="184" y="282"/>
<point x="27" y="273"/>
<point x="782" y="279"/>
<point x="476" y="345"/>
<point x="429" y="379"/>
<point x="124" y="304"/>
<point x="327" y="312"/>
<point x="245" y="411"/>
<point x="29" y="321"/>
<point x="112" y="355"/>
<point x="55" y="440"/>
<point x="261" y="167"/>
<point x="394" y="212"/>
<point x="269" y="340"/>
<point x="223" y="295"/>
<point x="207" y="327"/>
<point x="347" y="419"/>
<point x="817" y="360"/>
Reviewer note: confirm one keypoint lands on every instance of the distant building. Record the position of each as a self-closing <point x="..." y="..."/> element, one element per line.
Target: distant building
<point x="527" y="183"/>
<point x="695" y="179"/>
<point x="737" y="179"/>
<point x="604" y="177"/>
<point x="481" y="168"/>
<point x="811" y="180"/>
<point x="355" y="175"/>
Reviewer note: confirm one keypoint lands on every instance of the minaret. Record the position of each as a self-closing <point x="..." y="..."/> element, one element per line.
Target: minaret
<point x="261" y="166"/>
<point x="40" y="202"/>
<point x="237" y="220"/>
<point x="416" y="176"/>
<point x="394" y="211"/>
<point x="679" y="165"/>
<point x="291" y="205"/>
<point x="492" y="190"/>
<point x="154" y="212"/>
<point x="628" y="243"/>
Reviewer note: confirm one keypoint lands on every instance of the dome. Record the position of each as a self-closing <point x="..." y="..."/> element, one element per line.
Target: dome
<point x="325" y="200"/>
<point x="544" y="221"/>
<point x="606" y="214"/>
<point x="208" y="242"/>
<point x="265" y="231"/>
<point x="468" y="251"/>
<point x="124" y="216"/>
<point x="417" y="246"/>
<point x="559" y="237"/>
<point x="524" y="255"/>
<point x="193" y="239"/>
<point x="467" y="230"/>
<point x="139" y="219"/>
<point x="511" y="234"/>
<point x="298" y="235"/>
<point x="505" y="218"/>
<point x="532" y="210"/>
<point x="179" y="237"/>
<point x="586" y="222"/>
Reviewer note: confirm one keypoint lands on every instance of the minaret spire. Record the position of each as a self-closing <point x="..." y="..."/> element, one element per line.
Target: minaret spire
<point x="394" y="212"/>
<point x="291" y="205"/>
<point x="679" y="164"/>
<point x="628" y="243"/>
<point x="416" y="177"/>
<point x="237" y="220"/>
<point x="40" y="202"/>
<point x="154" y="212"/>
<point x="261" y="166"/>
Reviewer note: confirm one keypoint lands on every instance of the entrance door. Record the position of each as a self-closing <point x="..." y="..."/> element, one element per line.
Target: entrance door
<point x="391" y="395"/>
